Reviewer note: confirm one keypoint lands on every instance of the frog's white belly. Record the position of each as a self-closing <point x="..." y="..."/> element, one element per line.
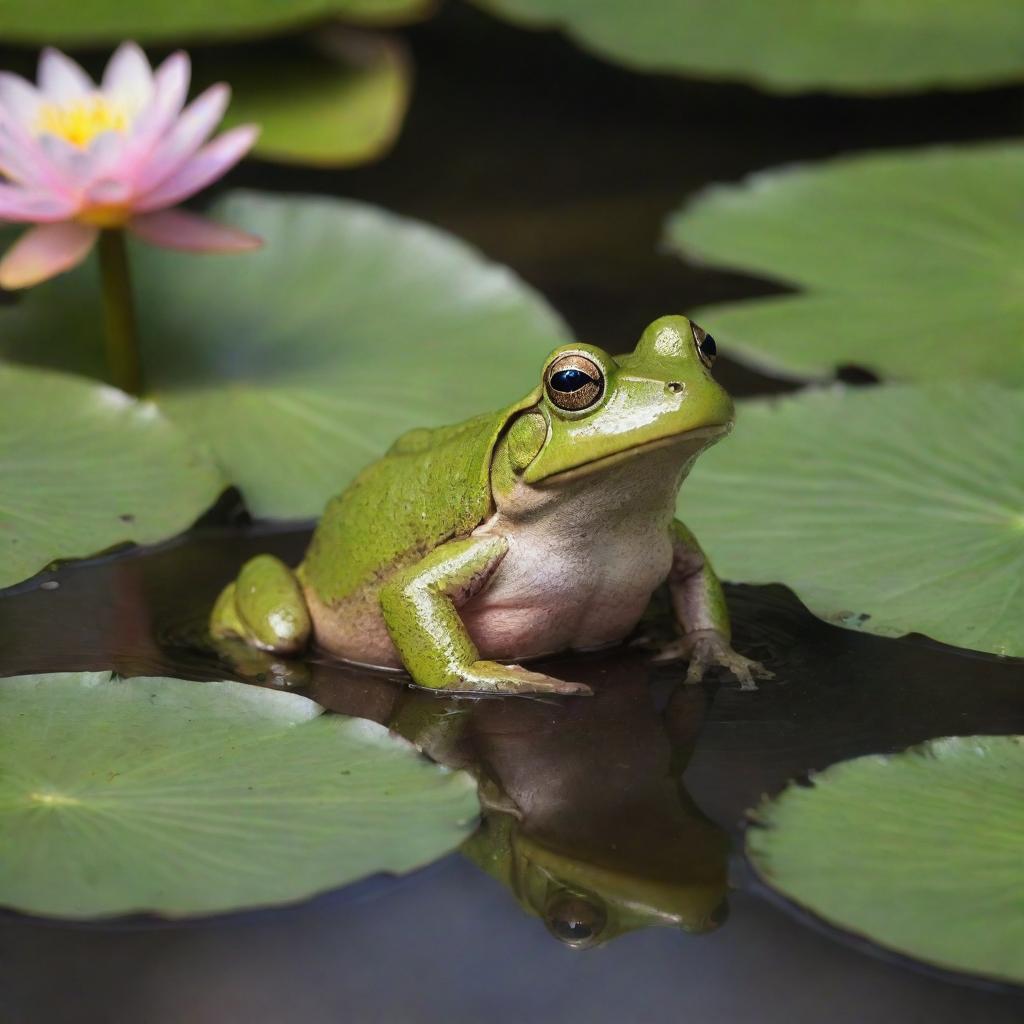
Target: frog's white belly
<point x="553" y="594"/>
<point x="579" y="573"/>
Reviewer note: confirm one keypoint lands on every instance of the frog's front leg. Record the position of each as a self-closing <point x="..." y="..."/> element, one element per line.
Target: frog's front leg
<point x="421" y="614"/>
<point x="703" y="616"/>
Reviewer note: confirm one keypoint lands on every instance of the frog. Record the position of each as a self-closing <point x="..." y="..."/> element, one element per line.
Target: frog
<point x="468" y="552"/>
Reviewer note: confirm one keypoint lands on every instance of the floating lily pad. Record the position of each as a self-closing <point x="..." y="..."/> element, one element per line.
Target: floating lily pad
<point x="892" y="509"/>
<point x="86" y="468"/>
<point x="920" y="852"/>
<point x="175" y="797"/>
<point x="792" y="45"/>
<point x="302" y="362"/>
<point x="107" y="21"/>
<point x="331" y="99"/>
<point x="910" y="261"/>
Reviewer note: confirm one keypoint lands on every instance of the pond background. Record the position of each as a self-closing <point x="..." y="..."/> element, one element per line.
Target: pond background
<point x="564" y="168"/>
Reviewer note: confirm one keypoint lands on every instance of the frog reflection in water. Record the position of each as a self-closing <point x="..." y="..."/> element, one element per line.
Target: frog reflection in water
<point x="540" y="528"/>
<point x="585" y="817"/>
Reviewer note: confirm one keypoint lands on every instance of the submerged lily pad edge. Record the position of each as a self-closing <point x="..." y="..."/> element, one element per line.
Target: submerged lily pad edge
<point x="354" y="116"/>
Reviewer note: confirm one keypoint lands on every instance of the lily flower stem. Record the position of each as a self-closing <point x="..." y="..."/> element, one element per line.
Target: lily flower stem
<point x="119" y="312"/>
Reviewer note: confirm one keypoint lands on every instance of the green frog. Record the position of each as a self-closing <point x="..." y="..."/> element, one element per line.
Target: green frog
<point x="540" y="528"/>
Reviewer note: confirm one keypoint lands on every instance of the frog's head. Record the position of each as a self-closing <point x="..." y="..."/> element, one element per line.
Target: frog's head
<point x="602" y="409"/>
<point x="586" y="899"/>
<point x="586" y="903"/>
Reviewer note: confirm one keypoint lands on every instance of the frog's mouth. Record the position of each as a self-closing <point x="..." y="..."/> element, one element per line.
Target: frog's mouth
<point x="689" y="444"/>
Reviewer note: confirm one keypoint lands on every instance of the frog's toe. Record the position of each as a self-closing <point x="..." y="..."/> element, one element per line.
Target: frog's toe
<point x="708" y="649"/>
<point x="746" y="670"/>
<point x="675" y="651"/>
<point x="537" y="682"/>
<point x="491" y="677"/>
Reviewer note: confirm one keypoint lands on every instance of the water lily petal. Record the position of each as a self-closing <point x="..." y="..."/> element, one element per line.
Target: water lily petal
<point x="44" y="252"/>
<point x="108" y="192"/>
<point x="193" y="128"/>
<point x="210" y="163"/>
<point x="128" y="77"/>
<point x="19" y="98"/>
<point x="70" y="162"/>
<point x="60" y="78"/>
<point x="178" y="229"/>
<point x="170" y="88"/>
<point x="19" y="204"/>
<point x="80" y="167"/>
<point x="24" y="159"/>
<point x="19" y="164"/>
<point x="103" y="158"/>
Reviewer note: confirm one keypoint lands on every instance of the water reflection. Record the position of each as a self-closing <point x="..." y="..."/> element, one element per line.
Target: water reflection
<point x="585" y="816"/>
<point x="586" y="819"/>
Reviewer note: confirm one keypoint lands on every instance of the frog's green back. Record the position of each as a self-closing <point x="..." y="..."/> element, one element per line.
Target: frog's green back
<point x="431" y="486"/>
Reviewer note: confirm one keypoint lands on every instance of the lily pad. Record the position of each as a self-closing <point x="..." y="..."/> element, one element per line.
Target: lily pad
<point x="892" y="509"/>
<point x="910" y="261"/>
<point x="332" y="99"/>
<point x="920" y="852"/>
<point x="106" y="21"/>
<point x="86" y="468"/>
<point x="793" y="45"/>
<point x="301" y="362"/>
<point x="174" y="797"/>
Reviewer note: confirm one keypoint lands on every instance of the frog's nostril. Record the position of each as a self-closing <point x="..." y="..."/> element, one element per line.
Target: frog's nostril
<point x="674" y="386"/>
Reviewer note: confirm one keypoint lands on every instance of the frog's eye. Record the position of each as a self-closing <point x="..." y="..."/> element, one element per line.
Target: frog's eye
<point x="706" y="347"/>
<point x="575" y="921"/>
<point x="574" y="382"/>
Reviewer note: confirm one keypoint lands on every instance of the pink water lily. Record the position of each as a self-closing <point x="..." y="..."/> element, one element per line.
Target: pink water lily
<point x="80" y="157"/>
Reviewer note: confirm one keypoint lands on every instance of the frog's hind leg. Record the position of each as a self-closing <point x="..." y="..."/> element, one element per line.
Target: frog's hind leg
<point x="265" y="607"/>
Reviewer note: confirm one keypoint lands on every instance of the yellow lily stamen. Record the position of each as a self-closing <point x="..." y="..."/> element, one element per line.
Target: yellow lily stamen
<point x="80" y="121"/>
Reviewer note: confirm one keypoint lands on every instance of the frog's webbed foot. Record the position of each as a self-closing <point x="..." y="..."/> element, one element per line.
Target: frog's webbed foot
<point x="707" y="649"/>
<point x="491" y="677"/>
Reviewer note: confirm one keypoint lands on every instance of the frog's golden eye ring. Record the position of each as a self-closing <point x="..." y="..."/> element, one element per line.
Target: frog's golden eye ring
<point x="574" y="382"/>
<point x="706" y="347"/>
<point x="576" y="921"/>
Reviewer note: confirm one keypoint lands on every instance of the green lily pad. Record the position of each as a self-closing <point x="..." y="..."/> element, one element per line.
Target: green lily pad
<point x="174" y="797"/>
<point x="892" y="509"/>
<point x="333" y="99"/>
<point x="86" y="468"/>
<point x="920" y="852"/>
<point x="793" y="45"/>
<point x="302" y="362"/>
<point x="910" y="261"/>
<point x="110" y="21"/>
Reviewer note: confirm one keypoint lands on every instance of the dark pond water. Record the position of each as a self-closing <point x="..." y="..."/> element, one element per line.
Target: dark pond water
<point x="634" y="798"/>
<point x="563" y="168"/>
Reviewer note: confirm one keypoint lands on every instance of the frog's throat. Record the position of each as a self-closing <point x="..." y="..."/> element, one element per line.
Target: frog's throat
<point x="691" y="444"/>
